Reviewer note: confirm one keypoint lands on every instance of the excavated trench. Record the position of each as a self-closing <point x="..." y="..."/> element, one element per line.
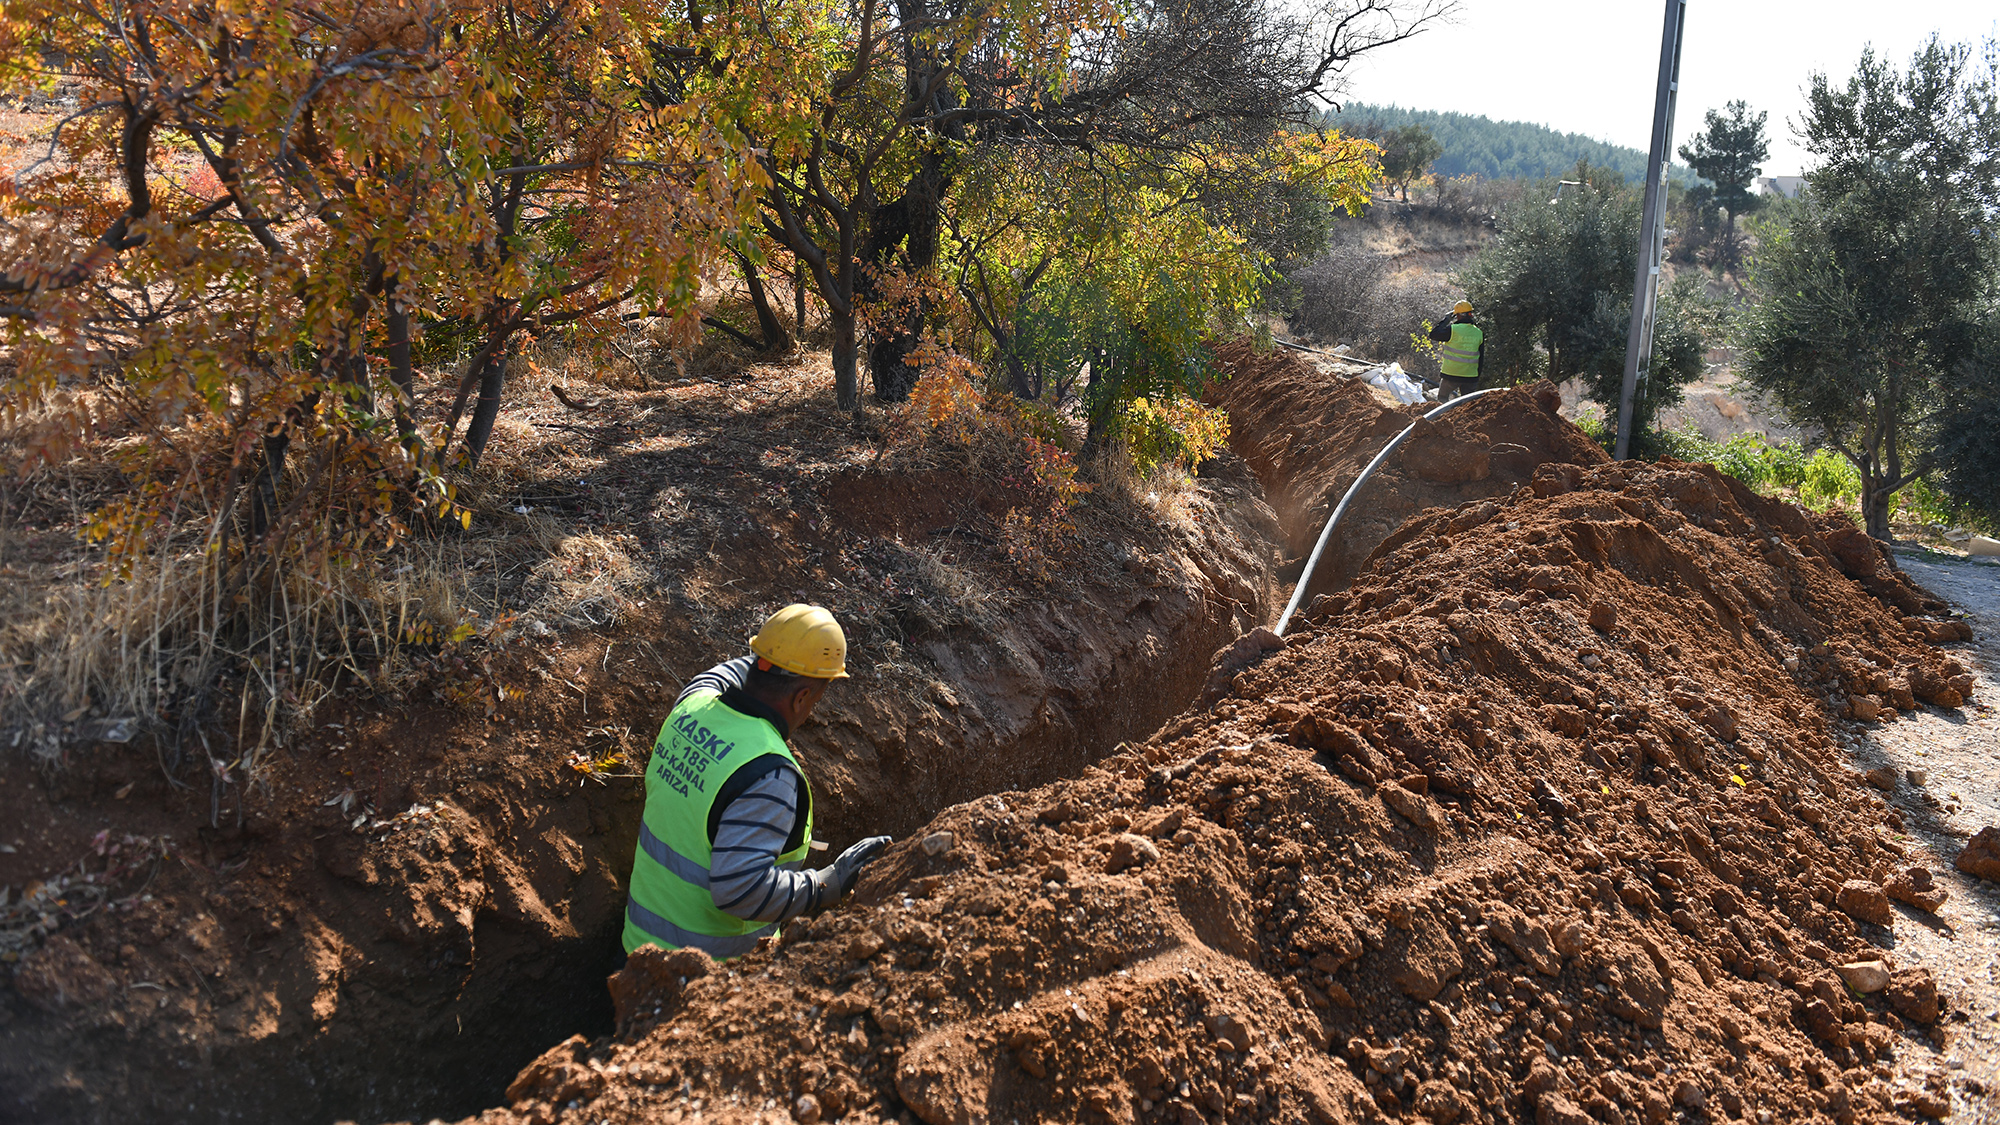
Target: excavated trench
<point x="1539" y="818"/>
<point x="409" y="964"/>
<point x="317" y="966"/>
<point x="1061" y="687"/>
<point x="995" y="706"/>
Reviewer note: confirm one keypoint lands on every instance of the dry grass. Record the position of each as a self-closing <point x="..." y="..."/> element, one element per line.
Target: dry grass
<point x="643" y="357"/>
<point x="586" y="579"/>
<point x="550" y="548"/>
<point x="85" y="659"/>
<point x="89" y="656"/>
<point x="1166" y="496"/>
<point x="953" y="593"/>
<point x="24" y="139"/>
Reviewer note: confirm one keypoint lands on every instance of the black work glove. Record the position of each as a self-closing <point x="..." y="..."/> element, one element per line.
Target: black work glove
<point x="848" y="867"/>
<point x="834" y="882"/>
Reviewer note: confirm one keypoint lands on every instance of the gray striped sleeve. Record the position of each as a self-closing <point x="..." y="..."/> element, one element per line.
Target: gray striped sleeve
<point x="722" y="677"/>
<point x="743" y="877"/>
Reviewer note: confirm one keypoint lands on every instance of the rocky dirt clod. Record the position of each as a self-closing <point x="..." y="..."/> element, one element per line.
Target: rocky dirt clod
<point x="1864" y="901"/>
<point x="1865" y="976"/>
<point x="1916" y="887"/>
<point x="1981" y="855"/>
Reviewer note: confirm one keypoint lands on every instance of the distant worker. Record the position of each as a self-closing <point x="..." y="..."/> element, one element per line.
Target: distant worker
<point x="729" y="812"/>
<point x="1461" y="349"/>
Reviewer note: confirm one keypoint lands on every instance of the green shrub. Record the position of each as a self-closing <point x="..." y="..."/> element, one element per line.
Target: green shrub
<point x="1823" y="479"/>
<point x="1176" y="430"/>
<point x="1683" y="444"/>
<point x="1925" y="503"/>
<point x="1829" y="480"/>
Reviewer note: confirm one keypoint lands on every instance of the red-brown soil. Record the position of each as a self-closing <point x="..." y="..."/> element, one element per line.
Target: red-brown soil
<point x="1540" y="820"/>
<point x="1307" y="435"/>
<point x="427" y="895"/>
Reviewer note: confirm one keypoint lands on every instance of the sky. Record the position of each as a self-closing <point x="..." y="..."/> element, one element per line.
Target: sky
<point x="1590" y="66"/>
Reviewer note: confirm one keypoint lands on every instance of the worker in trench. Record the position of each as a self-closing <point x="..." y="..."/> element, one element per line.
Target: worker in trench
<point x="1461" y="352"/>
<point x="729" y="812"/>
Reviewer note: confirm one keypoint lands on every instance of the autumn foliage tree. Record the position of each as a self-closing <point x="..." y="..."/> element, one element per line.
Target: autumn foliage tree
<point x="232" y="253"/>
<point x="229" y="253"/>
<point x="1113" y="297"/>
<point x="921" y="93"/>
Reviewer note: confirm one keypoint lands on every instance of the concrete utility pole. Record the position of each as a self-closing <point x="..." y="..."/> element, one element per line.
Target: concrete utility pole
<point x="1653" y="224"/>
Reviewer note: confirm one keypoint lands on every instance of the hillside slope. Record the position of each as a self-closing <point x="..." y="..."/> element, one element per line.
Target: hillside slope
<point x="1477" y="145"/>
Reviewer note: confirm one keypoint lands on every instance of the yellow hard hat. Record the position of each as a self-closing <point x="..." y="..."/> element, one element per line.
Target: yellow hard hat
<point x="804" y="640"/>
<point x="1462" y="307"/>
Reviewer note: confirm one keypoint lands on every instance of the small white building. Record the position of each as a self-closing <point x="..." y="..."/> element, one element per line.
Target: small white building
<point x="1787" y="186"/>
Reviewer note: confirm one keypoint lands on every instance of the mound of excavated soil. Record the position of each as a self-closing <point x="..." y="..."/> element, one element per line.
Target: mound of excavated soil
<point x="1540" y="820"/>
<point x="1308" y="434"/>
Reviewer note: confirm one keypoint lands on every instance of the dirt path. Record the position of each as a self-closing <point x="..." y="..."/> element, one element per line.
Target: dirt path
<point x="1957" y="753"/>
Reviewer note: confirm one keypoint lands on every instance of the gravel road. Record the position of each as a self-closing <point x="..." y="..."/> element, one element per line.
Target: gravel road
<point x="1956" y="756"/>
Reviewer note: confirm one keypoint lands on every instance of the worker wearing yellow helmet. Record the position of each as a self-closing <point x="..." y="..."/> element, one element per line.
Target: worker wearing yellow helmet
<point x="1461" y="351"/>
<point x="729" y="812"/>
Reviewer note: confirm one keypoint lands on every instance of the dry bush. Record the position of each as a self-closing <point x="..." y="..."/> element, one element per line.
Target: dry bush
<point x="1403" y="307"/>
<point x="632" y="360"/>
<point x="966" y="592"/>
<point x="1353" y="296"/>
<point x="1337" y="292"/>
<point x="1470" y="200"/>
<point x="585" y="580"/>
<point x="1167" y="495"/>
<point x="82" y="659"/>
<point x="941" y="592"/>
<point x="88" y="653"/>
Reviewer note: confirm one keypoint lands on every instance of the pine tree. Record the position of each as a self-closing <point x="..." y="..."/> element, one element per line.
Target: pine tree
<point x="1730" y="154"/>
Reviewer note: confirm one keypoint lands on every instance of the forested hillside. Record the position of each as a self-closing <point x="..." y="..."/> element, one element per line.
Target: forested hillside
<point x="1492" y="149"/>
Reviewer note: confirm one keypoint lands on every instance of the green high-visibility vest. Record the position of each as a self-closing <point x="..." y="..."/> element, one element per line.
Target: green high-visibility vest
<point x="702" y="743"/>
<point x="1460" y="358"/>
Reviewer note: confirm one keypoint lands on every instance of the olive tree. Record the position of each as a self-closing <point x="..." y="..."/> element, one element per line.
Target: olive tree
<point x="1867" y="323"/>
<point x="1554" y="295"/>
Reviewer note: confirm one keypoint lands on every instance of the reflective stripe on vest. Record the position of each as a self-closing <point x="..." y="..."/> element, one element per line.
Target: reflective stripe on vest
<point x="687" y="869"/>
<point x="702" y="743"/>
<point x="670" y="859"/>
<point x="1460" y="358"/>
<point x="668" y="934"/>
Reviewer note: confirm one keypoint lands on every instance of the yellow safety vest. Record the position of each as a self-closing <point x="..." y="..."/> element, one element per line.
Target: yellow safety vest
<point x="1460" y="358"/>
<point x="702" y="743"/>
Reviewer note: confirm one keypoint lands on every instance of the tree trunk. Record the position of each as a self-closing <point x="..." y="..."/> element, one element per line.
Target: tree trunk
<point x="264" y="489"/>
<point x="492" y="380"/>
<point x="767" y="318"/>
<point x="798" y="300"/>
<point x="264" y="486"/>
<point x="907" y="228"/>
<point x="401" y="371"/>
<point x="1024" y="386"/>
<point x="846" y="354"/>
<point x="832" y="270"/>
<point x="1875" y="498"/>
<point x="1104" y="406"/>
